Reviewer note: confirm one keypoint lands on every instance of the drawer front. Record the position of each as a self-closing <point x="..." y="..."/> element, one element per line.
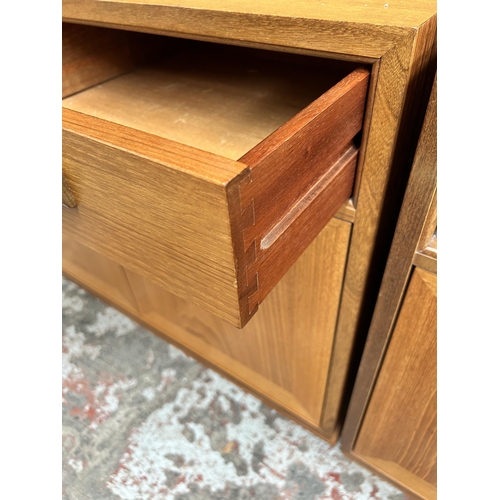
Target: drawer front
<point x="220" y="232"/>
<point x="139" y="204"/>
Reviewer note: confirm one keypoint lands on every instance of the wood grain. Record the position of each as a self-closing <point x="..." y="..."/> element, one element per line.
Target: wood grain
<point x="307" y="168"/>
<point x="92" y="55"/>
<point x="405" y="13"/>
<point x="389" y="470"/>
<point x="366" y="29"/>
<point x="67" y="195"/>
<point x="418" y="198"/>
<point x="398" y="40"/>
<point x="308" y="216"/>
<point x="396" y="113"/>
<point x="194" y="162"/>
<point x="401" y="45"/>
<point x="161" y="209"/>
<point x="271" y="356"/>
<point x="366" y="127"/>
<point x="400" y="423"/>
<point x="317" y="136"/>
<point x="416" y="209"/>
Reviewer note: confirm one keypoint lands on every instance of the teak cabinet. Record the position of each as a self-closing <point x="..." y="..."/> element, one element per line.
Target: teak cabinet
<point x="232" y="175"/>
<point x="391" y="423"/>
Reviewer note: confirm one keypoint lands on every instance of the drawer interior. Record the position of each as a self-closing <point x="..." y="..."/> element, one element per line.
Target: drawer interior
<point x="221" y="99"/>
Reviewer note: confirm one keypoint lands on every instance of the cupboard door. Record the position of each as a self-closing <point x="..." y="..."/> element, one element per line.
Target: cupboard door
<point x="283" y="354"/>
<point x="398" y="434"/>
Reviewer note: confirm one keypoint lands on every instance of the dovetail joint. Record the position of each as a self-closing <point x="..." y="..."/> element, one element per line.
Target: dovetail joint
<point x="251" y="248"/>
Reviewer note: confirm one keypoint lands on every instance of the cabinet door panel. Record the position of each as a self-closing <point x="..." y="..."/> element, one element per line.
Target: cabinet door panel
<point x="398" y="435"/>
<point x="284" y="352"/>
<point x="282" y="355"/>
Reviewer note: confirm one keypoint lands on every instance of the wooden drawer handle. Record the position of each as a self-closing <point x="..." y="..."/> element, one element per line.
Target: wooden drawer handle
<point x="67" y="196"/>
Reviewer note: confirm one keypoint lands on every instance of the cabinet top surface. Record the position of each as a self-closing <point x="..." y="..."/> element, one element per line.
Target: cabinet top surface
<point x="384" y="13"/>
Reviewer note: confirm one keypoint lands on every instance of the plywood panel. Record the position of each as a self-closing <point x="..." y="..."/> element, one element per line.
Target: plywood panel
<point x="399" y="427"/>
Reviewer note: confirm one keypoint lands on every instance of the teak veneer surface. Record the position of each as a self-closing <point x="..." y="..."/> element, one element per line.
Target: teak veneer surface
<point x="391" y="423"/>
<point x="399" y="13"/>
<point x="272" y="356"/>
<point x="391" y="138"/>
<point x="337" y="26"/>
<point x="400" y="424"/>
<point x="93" y="55"/>
<point x="398" y="38"/>
<point x="156" y="208"/>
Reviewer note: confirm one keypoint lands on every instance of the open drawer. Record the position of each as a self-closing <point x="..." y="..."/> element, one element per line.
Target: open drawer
<point x="211" y="171"/>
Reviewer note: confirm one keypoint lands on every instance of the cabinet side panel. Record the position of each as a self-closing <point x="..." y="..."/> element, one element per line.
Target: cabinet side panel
<point x="283" y="353"/>
<point x="398" y="433"/>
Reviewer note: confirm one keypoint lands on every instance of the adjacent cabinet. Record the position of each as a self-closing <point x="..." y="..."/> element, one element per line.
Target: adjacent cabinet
<point x="233" y="174"/>
<point x="391" y="424"/>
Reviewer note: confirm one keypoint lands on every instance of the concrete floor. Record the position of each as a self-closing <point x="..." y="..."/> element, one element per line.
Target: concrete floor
<point x="141" y="420"/>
